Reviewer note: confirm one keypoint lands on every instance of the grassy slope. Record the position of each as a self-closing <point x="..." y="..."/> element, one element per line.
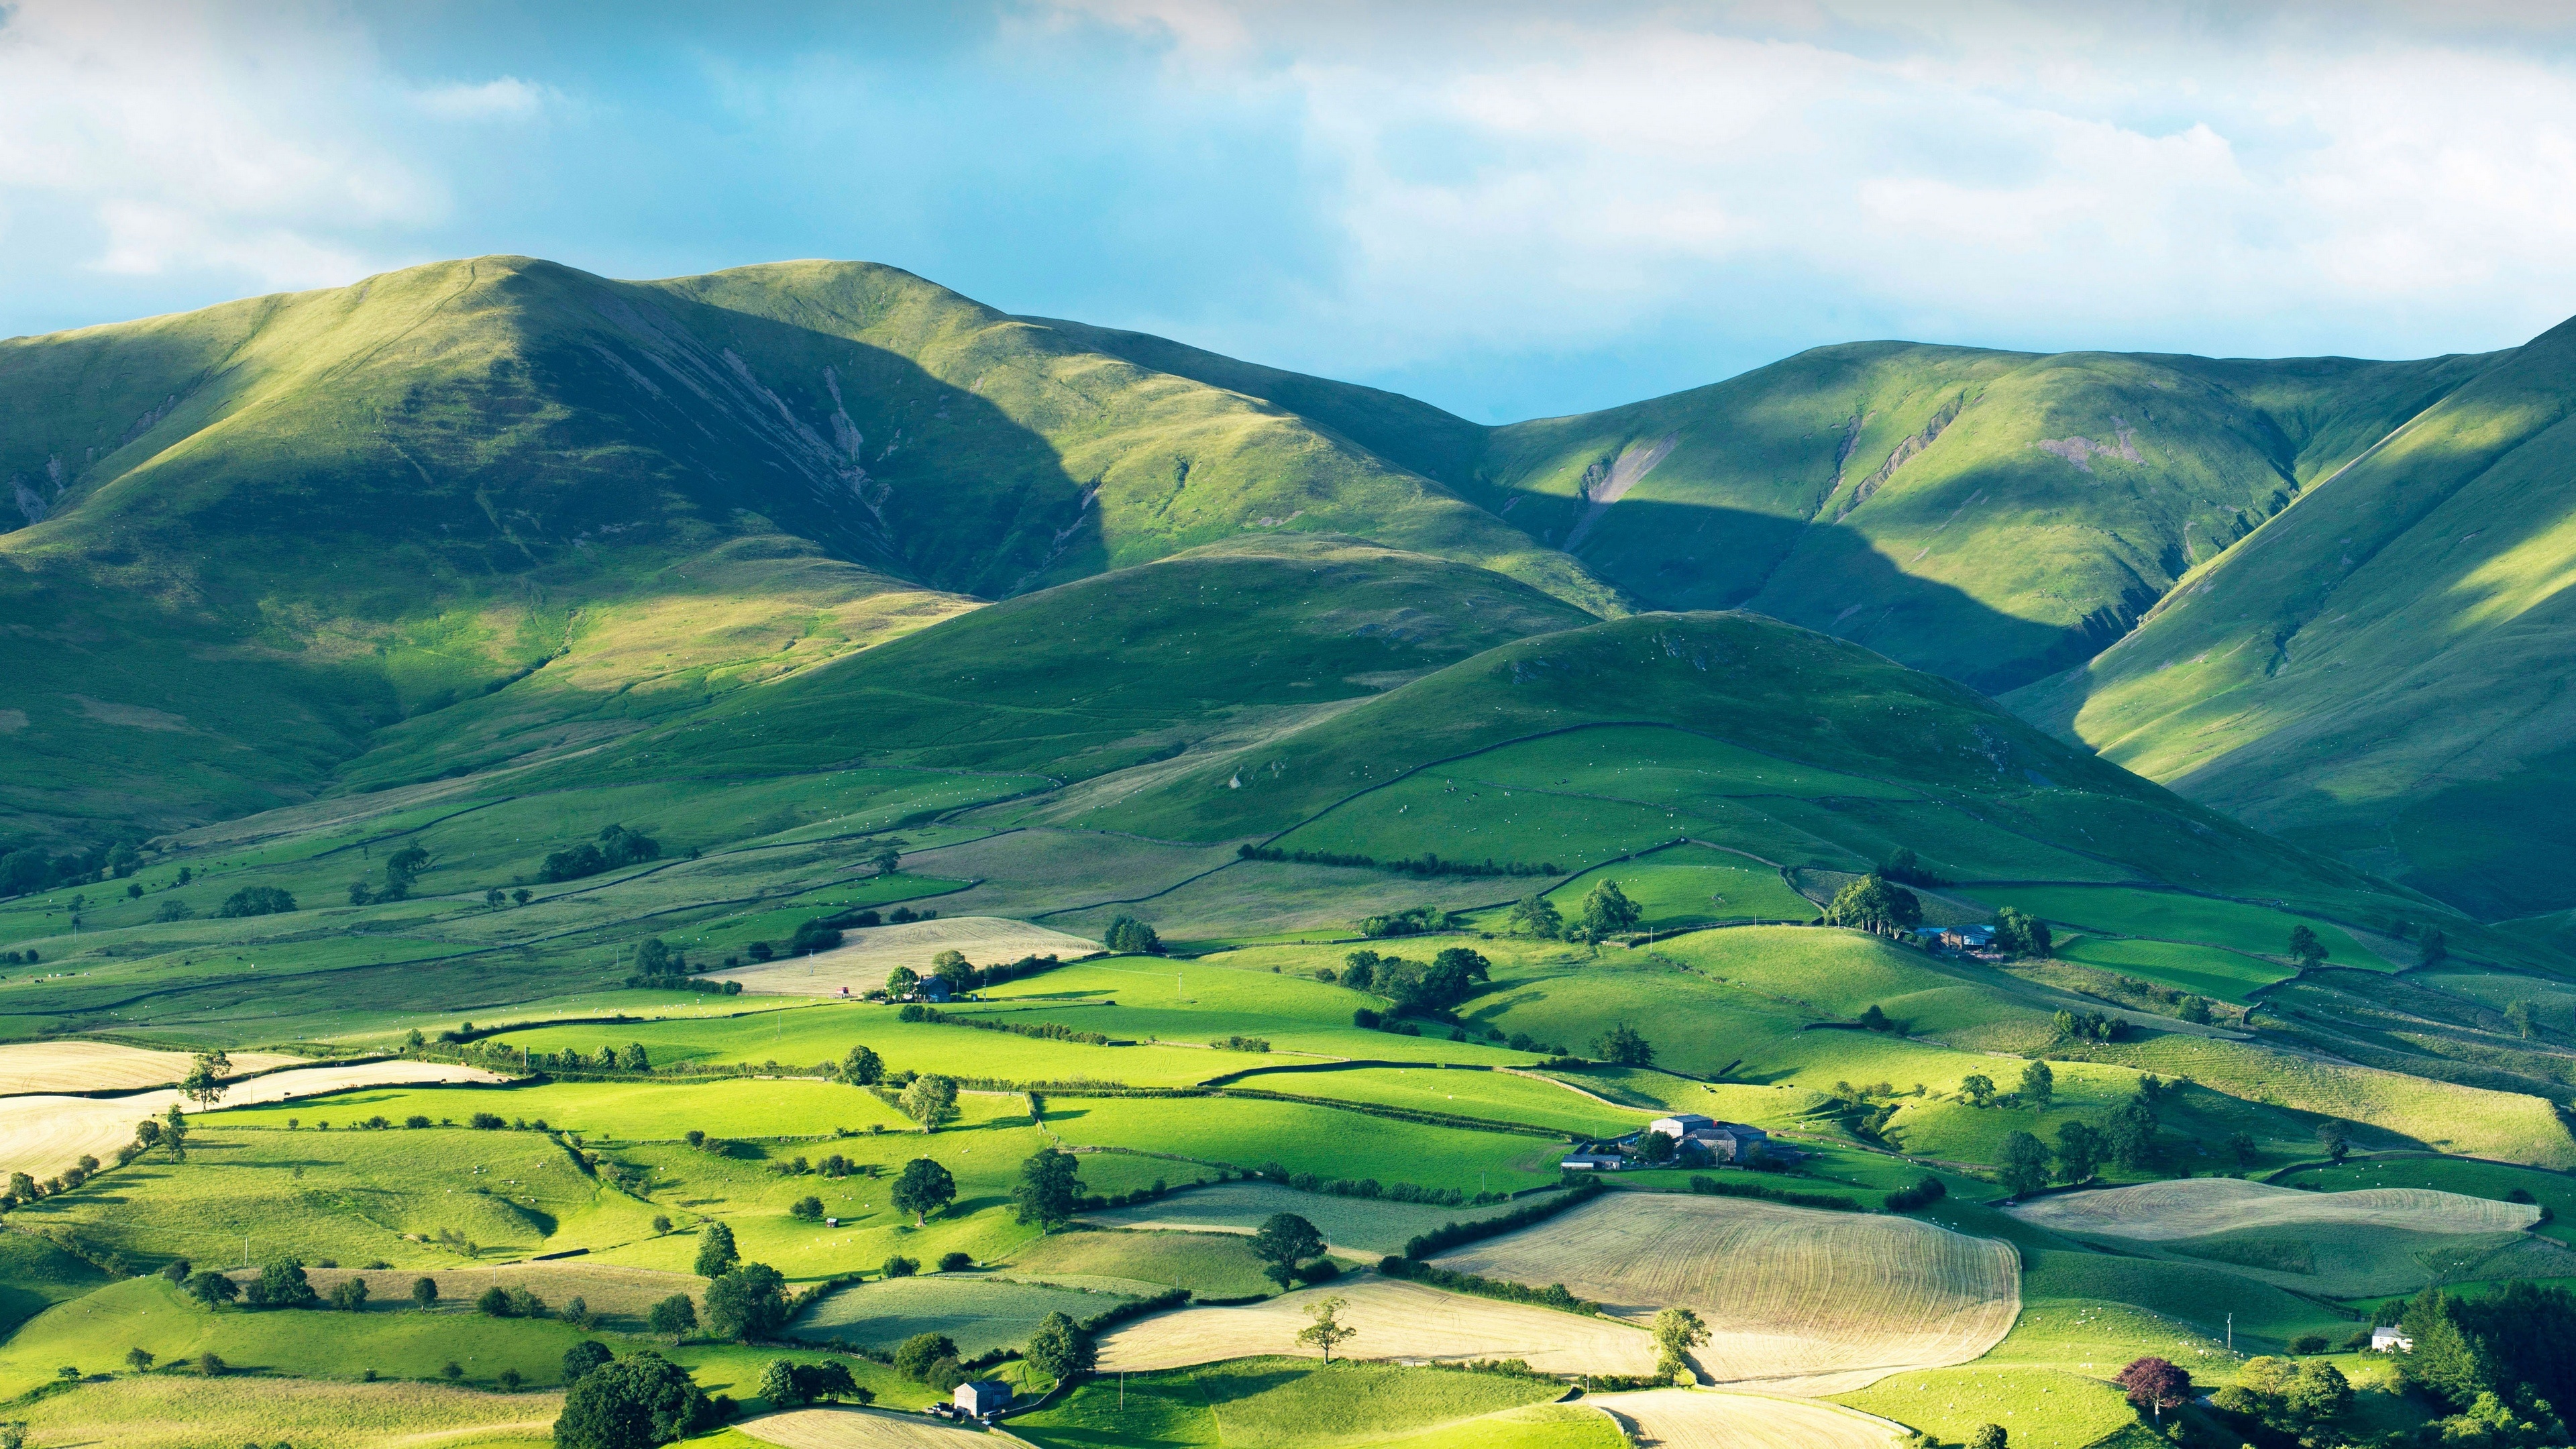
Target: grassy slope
<point x="1899" y="494"/>
<point x="2372" y="671"/>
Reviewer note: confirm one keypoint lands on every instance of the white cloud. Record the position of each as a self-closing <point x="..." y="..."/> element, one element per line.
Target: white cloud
<point x="2056" y="175"/>
<point x="232" y="142"/>
<point x="508" y="98"/>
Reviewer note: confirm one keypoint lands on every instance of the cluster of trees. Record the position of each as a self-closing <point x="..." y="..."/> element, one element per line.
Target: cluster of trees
<point x="1416" y="921"/>
<point x="256" y="901"/>
<point x="1872" y="903"/>
<point x="1606" y="911"/>
<point x="616" y="846"/>
<point x="1425" y="864"/>
<point x="30" y="868"/>
<point x="1128" y="936"/>
<point x="1416" y="987"/>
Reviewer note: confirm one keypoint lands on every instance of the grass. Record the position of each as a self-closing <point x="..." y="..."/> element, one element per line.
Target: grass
<point x="2165" y="916"/>
<point x="1210" y="1265"/>
<point x="1271" y="1403"/>
<point x="1368" y="1225"/>
<point x="2219" y="974"/>
<point x="979" y="1313"/>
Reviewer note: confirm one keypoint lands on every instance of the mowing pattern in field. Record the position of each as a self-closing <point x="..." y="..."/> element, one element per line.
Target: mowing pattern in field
<point x="867" y="957"/>
<point x="2199" y="1206"/>
<point x="981" y="1314"/>
<point x="43" y="1135"/>
<point x="1361" y="1227"/>
<point x="1688" y="1419"/>
<point x="852" y="1428"/>
<point x="1797" y="1301"/>
<point x="99" y="1066"/>
<point x="1396" y="1320"/>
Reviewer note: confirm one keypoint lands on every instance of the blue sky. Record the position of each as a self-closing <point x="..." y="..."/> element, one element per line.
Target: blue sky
<point x="1509" y="211"/>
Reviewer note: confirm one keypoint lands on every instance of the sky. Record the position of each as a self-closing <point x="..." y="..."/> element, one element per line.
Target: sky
<point x="1509" y="210"/>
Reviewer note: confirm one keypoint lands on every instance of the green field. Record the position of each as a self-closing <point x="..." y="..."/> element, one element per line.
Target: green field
<point x="1252" y="1402"/>
<point x="979" y="1313"/>
<point x="2165" y="916"/>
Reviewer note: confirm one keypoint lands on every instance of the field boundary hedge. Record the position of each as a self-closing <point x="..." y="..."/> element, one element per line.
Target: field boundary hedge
<point x="1450" y="1235"/>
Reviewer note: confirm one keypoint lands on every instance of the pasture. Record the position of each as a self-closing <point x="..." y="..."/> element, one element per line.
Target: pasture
<point x="1798" y="1301"/>
<point x="1210" y="1265"/>
<point x="1681" y="1419"/>
<point x="980" y="1313"/>
<point x="1292" y="1403"/>
<point x="2173" y="916"/>
<point x="1362" y="1227"/>
<point x="1395" y="1320"/>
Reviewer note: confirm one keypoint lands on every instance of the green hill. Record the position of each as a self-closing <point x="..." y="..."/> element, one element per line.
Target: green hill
<point x="2374" y="672"/>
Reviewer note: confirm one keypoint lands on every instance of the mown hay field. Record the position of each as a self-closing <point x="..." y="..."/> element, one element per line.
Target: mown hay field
<point x="980" y="1313"/>
<point x="1797" y="1301"/>
<point x="42" y="1135"/>
<point x="101" y="1066"/>
<point x="1367" y="1227"/>
<point x="168" y="1411"/>
<point x="854" y="1428"/>
<point x="2202" y="1206"/>
<point x="865" y="957"/>
<point x="1698" y="1419"/>
<point x="1396" y="1320"/>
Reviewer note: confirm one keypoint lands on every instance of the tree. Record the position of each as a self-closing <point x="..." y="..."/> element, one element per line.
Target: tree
<point x="1049" y="1187"/>
<point x="2079" y="1151"/>
<point x="930" y="1101"/>
<point x="1060" y="1349"/>
<point x="1677" y="1331"/>
<point x="204" y="1084"/>
<point x="716" y="1253"/>
<point x="1623" y="1045"/>
<point x="1327" y="1332"/>
<point x="2038" y="1084"/>
<point x="1284" y="1241"/>
<point x="1535" y="916"/>
<point x="1988" y="1436"/>
<point x="924" y="1188"/>
<point x="1872" y="904"/>
<point x="584" y="1356"/>
<point x="749" y="1302"/>
<point x="1978" y="1088"/>
<point x="424" y="1292"/>
<point x="2155" y="1384"/>
<point x="1606" y="912"/>
<point x="2025" y="1169"/>
<point x="2305" y="948"/>
<point x="635" y="1402"/>
<point x="2432" y="950"/>
<point x="212" y="1290"/>
<point x="915" y="1355"/>
<point x="1128" y="936"/>
<point x="2334" y="1139"/>
<point x="675" y="1316"/>
<point x="778" y="1384"/>
<point x="862" y="1067"/>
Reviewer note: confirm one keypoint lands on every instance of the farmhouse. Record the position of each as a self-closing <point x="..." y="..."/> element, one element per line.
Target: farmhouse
<point x="2385" y="1338"/>
<point x="985" y="1396"/>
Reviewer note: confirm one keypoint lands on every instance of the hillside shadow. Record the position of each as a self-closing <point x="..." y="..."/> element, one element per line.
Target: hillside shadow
<point x="1919" y="622"/>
